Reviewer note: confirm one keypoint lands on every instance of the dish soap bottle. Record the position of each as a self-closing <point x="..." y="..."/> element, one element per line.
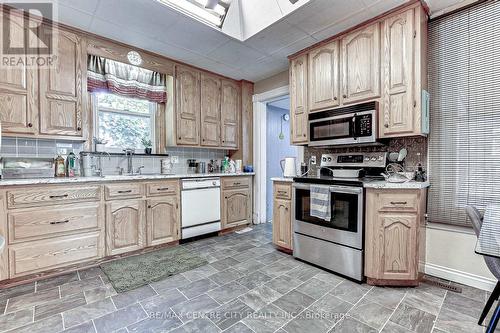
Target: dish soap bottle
<point x="59" y="166"/>
<point x="70" y="165"/>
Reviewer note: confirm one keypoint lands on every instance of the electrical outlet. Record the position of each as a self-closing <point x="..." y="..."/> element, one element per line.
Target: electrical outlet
<point x="313" y="160"/>
<point x="175" y="159"/>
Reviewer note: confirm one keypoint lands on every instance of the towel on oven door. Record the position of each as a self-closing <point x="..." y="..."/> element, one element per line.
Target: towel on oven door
<point x="321" y="198"/>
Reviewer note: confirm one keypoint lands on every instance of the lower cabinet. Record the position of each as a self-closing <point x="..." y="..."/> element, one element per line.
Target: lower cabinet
<point x="236" y="203"/>
<point x="282" y="216"/>
<point x="395" y="236"/>
<point x="162" y="220"/>
<point x="125" y="226"/>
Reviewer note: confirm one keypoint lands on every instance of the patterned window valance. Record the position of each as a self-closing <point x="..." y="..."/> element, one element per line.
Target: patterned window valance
<point x="124" y="79"/>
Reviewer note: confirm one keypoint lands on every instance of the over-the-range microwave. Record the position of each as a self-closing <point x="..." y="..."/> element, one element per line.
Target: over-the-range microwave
<point x="355" y="124"/>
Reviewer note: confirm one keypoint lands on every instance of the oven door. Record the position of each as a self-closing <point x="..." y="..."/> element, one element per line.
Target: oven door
<point x="346" y="224"/>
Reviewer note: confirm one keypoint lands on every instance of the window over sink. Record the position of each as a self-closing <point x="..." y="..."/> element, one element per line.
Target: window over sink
<point x="123" y="122"/>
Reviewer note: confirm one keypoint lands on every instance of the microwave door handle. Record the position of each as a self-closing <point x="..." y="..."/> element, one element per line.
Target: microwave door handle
<point x="353" y="124"/>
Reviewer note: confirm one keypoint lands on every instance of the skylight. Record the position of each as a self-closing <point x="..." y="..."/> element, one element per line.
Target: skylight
<point x="212" y="12"/>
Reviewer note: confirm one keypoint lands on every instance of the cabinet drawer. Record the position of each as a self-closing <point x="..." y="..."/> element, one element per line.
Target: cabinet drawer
<point x="40" y="223"/>
<point x="162" y="188"/>
<point x="36" y="256"/>
<point x="235" y="182"/>
<point x="55" y="195"/>
<point x="120" y="191"/>
<point x="398" y="201"/>
<point x="282" y="191"/>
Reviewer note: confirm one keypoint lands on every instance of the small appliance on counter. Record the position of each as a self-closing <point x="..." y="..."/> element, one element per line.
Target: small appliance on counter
<point x="289" y="167"/>
<point x="166" y="166"/>
<point x="191" y="166"/>
<point x="27" y="167"/>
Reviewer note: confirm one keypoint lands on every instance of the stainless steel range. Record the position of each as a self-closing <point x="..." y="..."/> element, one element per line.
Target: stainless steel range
<point x="336" y="244"/>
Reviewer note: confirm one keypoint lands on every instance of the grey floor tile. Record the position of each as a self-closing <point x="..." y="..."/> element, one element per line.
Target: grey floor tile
<point x="199" y="273"/>
<point x="290" y="262"/>
<point x="275" y="269"/>
<point x="371" y="313"/>
<point x="88" y="312"/>
<point x="454" y="322"/>
<point x="120" y="318"/>
<point x="163" y="301"/>
<point x="16" y="319"/>
<point x="329" y="278"/>
<point x="224" y="253"/>
<point x="224" y="264"/>
<point x="129" y="297"/>
<point x="332" y="307"/>
<point x="90" y="272"/>
<point x="194" y="308"/>
<point x="267" y="319"/>
<point x="462" y="304"/>
<point x="81" y="285"/>
<point x="243" y="256"/>
<point x="33" y="299"/>
<point x="431" y="289"/>
<point x="196" y="288"/>
<point x="270" y="258"/>
<point x="56" y="281"/>
<point x="196" y="326"/>
<point x="424" y="301"/>
<point x="261" y="251"/>
<point x="162" y="321"/>
<point x="304" y="273"/>
<point x="391" y="327"/>
<point x="413" y="319"/>
<point x="12" y="292"/>
<point x="47" y="325"/>
<point x="248" y="267"/>
<point x="315" y="288"/>
<point x="87" y="327"/>
<point x="470" y="292"/>
<point x="351" y="325"/>
<point x="229" y="314"/>
<point x="226" y="276"/>
<point x="349" y="291"/>
<point x="176" y="281"/>
<point x="50" y="308"/>
<point x="243" y="247"/>
<point x="259" y="297"/>
<point x="239" y="328"/>
<point x="388" y="297"/>
<point x="293" y="302"/>
<point x="284" y="284"/>
<point x="254" y="280"/>
<point x="309" y="321"/>
<point x="227" y="292"/>
<point x="99" y="293"/>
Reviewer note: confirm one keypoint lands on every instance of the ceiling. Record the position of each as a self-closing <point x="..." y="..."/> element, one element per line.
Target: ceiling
<point x="254" y="43"/>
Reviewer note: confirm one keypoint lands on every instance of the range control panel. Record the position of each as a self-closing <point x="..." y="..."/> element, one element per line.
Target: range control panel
<point x="372" y="160"/>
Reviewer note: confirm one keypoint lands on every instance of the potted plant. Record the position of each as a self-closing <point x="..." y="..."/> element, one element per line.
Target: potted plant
<point x="147" y="145"/>
<point x="100" y="144"/>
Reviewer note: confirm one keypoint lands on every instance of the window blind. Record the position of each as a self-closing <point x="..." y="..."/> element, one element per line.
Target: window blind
<point x="464" y="83"/>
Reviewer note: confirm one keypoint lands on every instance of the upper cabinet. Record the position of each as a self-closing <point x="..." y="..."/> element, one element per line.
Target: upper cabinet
<point x="361" y="65"/>
<point x="230" y="113"/>
<point x="298" y="100"/>
<point x="61" y="88"/>
<point x="210" y="110"/>
<point x="324" y="77"/>
<point x="187" y="90"/>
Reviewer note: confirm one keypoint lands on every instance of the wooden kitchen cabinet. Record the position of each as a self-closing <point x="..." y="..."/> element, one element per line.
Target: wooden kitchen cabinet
<point x="395" y="236"/>
<point x="323" y="79"/>
<point x="162" y="220"/>
<point x="125" y="226"/>
<point x="282" y="216"/>
<point x="298" y="100"/>
<point x="187" y="88"/>
<point x="360" y="59"/>
<point x="210" y="110"/>
<point x="230" y="114"/>
<point x="236" y="201"/>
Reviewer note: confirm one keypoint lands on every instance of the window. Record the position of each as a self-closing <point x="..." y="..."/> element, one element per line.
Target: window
<point x="212" y="12"/>
<point x="123" y="122"/>
<point x="464" y="143"/>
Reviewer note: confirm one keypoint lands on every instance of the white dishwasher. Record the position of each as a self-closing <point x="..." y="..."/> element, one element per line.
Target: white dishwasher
<point x="200" y="206"/>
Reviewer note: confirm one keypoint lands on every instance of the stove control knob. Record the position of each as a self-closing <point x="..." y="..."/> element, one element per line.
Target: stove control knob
<point x="381" y="158"/>
<point x="367" y="158"/>
<point x="324" y="159"/>
<point x="374" y="158"/>
<point x="329" y="159"/>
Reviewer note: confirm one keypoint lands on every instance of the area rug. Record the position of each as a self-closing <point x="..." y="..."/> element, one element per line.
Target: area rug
<point x="136" y="271"/>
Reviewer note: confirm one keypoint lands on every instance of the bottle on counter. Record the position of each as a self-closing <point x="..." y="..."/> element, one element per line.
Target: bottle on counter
<point x="225" y="164"/>
<point x="60" y="169"/>
<point x="71" y="165"/>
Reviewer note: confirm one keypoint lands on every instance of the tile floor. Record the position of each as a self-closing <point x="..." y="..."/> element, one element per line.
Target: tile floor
<point x="247" y="287"/>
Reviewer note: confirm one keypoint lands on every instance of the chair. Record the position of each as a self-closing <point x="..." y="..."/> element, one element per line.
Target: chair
<point x="492" y="263"/>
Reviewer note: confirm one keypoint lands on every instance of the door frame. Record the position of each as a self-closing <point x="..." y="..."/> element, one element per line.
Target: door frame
<point x="259" y="148"/>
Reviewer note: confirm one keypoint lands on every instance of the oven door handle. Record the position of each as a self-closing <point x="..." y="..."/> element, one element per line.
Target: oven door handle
<point x="301" y="186"/>
<point x="346" y="189"/>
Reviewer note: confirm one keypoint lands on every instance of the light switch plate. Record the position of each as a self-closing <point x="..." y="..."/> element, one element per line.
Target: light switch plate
<point x="175" y="159"/>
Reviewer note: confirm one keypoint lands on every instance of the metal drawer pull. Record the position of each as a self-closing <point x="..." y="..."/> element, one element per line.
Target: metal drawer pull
<point x="127" y="191"/>
<point x="283" y="192"/>
<point x="398" y="202"/>
<point x="60" y="222"/>
<point x="58" y="196"/>
<point x="238" y="183"/>
<point x="162" y="189"/>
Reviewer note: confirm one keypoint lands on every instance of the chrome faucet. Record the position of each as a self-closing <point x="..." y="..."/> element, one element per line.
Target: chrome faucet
<point x="98" y="168"/>
<point x="129" y="153"/>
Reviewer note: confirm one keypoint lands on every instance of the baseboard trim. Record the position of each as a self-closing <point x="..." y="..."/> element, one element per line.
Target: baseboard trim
<point x="454" y="275"/>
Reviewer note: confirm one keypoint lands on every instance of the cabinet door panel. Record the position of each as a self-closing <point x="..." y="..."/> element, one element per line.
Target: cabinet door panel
<point x="398" y="77"/>
<point x="188" y="106"/>
<point x="125" y="226"/>
<point x="282" y="223"/>
<point x="236" y="208"/>
<point x="298" y="100"/>
<point x="210" y="110"/>
<point x="324" y="77"/>
<point x="162" y="220"/>
<point x="230" y="114"/>
<point x="18" y="84"/>
<point x="361" y="65"/>
<point x="61" y="88"/>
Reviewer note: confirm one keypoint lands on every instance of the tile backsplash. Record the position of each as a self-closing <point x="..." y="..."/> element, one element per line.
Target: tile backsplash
<point x="25" y="147"/>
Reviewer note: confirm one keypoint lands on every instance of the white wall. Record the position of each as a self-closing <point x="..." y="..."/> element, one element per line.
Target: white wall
<point x="450" y="255"/>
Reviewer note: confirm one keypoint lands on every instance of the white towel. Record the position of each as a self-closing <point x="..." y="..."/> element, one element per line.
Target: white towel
<point x="321" y="198"/>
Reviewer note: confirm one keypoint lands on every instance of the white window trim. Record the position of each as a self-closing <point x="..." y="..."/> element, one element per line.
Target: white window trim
<point x="152" y="116"/>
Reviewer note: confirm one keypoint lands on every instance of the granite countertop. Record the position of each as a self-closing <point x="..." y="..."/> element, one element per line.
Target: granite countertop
<point x="281" y="179"/>
<point x="111" y="178"/>
<point x="407" y="185"/>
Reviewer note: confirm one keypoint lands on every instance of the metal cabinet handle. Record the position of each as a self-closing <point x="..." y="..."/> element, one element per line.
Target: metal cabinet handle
<point x="127" y="191"/>
<point x="344" y="96"/>
<point x="58" y="196"/>
<point x="78" y="128"/>
<point x="237" y="183"/>
<point x="386" y="125"/>
<point x="30" y="125"/>
<point x="398" y="202"/>
<point x="149" y="206"/>
<point x="335" y="98"/>
<point x="59" y="222"/>
<point x="283" y="192"/>
<point x="162" y="189"/>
